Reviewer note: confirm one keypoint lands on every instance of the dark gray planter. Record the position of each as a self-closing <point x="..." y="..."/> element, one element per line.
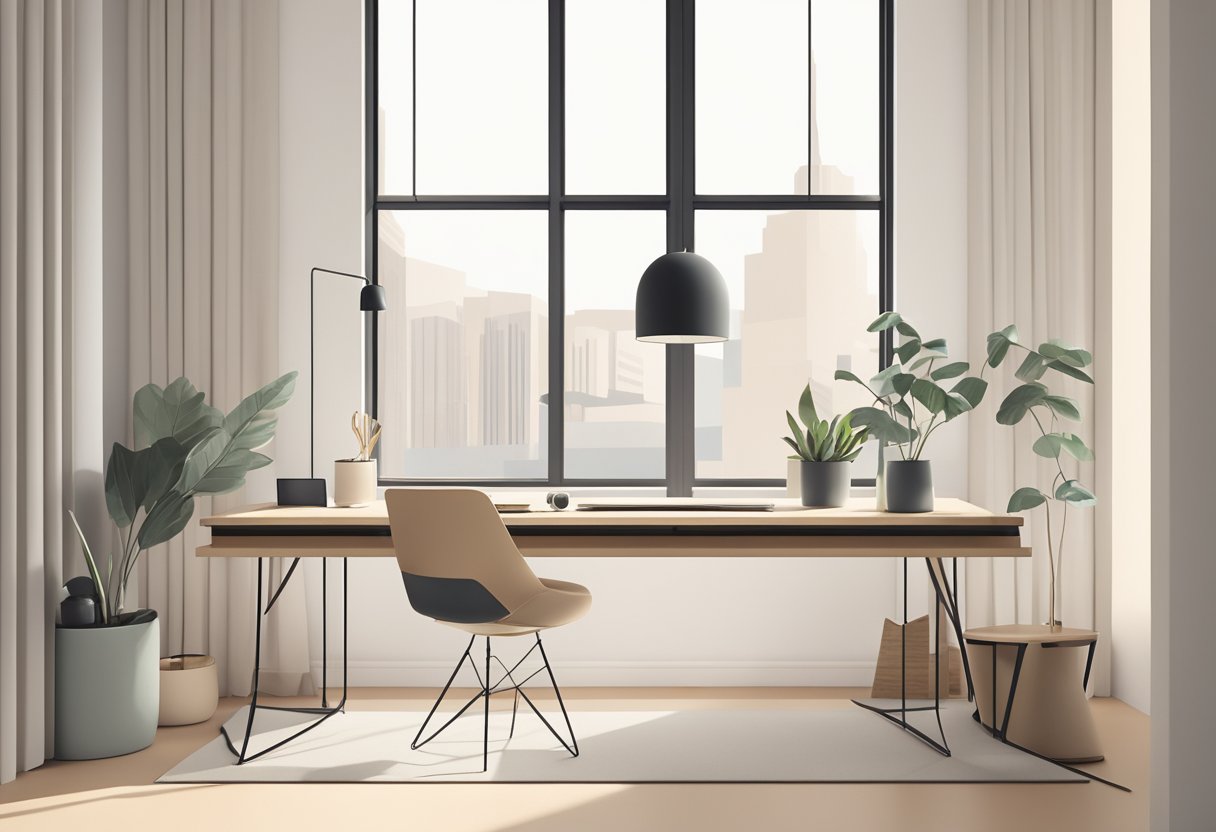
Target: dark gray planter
<point x="909" y="486"/>
<point x="107" y="689"/>
<point x="825" y="484"/>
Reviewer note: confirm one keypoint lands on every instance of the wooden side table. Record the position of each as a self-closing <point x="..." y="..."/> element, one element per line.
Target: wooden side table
<point x="1027" y="692"/>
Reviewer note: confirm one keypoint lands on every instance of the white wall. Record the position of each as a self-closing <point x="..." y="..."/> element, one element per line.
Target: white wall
<point x="663" y="621"/>
<point x="1184" y="456"/>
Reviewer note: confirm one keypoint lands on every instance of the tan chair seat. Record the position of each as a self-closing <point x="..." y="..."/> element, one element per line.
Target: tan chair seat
<point x="560" y="602"/>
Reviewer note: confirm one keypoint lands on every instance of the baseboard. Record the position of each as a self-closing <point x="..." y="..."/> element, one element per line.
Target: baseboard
<point x="626" y="674"/>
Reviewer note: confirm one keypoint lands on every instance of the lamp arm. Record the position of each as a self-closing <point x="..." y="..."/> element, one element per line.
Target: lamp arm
<point x="312" y="362"/>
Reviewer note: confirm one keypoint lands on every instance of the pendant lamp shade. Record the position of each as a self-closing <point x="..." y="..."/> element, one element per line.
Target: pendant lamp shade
<point x="682" y="299"/>
<point x="372" y="299"/>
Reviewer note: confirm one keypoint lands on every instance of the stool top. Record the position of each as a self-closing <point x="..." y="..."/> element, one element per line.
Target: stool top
<point x="1029" y="634"/>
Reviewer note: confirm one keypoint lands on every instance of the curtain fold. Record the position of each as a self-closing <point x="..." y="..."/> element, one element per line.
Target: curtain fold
<point x="35" y="43"/>
<point x="204" y="240"/>
<point x="1031" y="263"/>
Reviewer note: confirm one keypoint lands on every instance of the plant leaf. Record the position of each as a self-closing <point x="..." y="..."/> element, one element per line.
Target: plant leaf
<point x="806" y="407"/>
<point x="883" y="382"/>
<point x="882" y="426"/>
<point x="937" y="345"/>
<point x="1026" y="498"/>
<point x="929" y="394"/>
<point x="950" y="371"/>
<point x="1051" y="444"/>
<point x="166" y="519"/>
<point x="845" y="375"/>
<point x="956" y="405"/>
<point x="126" y="479"/>
<point x="999" y="343"/>
<point x="800" y="443"/>
<point x="163" y="468"/>
<point x="906" y="329"/>
<point x="1072" y="491"/>
<point x="1032" y="368"/>
<point x="98" y="583"/>
<point x="902" y="383"/>
<point x="1066" y="353"/>
<point x="972" y="389"/>
<point x="884" y="322"/>
<point x="1060" y="366"/>
<point x="907" y="350"/>
<point x="1019" y="401"/>
<point x="178" y="411"/>
<point x="202" y="458"/>
<point x="1063" y="406"/>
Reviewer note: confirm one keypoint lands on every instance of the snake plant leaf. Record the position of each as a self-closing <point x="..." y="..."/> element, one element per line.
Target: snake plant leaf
<point x="126" y="484"/>
<point x="178" y="410"/>
<point x="1066" y="353"/>
<point x="1063" y="406"/>
<point x="999" y="343"/>
<point x="1050" y="445"/>
<point x="883" y="382"/>
<point x="906" y="329"/>
<point x="166" y="519"/>
<point x="806" y="407"/>
<point x="936" y="345"/>
<point x="972" y="389"/>
<point x="1032" y="368"/>
<point x="1072" y="491"/>
<point x="882" y="426"/>
<point x="884" y="322"/>
<point x="907" y="350"/>
<point x="801" y="444"/>
<point x="956" y="405"/>
<point x="1019" y="401"/>
<point x="930" y="395"/>
<point x="953" y="370"/>
<point x="1026" y="498"/>
<point x="1075" y="372"/>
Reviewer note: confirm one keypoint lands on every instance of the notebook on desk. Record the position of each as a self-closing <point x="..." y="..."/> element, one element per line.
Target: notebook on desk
<point x="513" y="508"/>
<point x="660" y="506"/>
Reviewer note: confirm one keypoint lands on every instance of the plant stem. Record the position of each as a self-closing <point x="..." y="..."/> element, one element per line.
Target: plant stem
<point x="1060" y="548"/>
<point x="1051" y="565"/>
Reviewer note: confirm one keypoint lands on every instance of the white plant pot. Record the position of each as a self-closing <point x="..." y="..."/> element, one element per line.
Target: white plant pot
<point x="189" y="689"/>
<point x="354" y="482"/>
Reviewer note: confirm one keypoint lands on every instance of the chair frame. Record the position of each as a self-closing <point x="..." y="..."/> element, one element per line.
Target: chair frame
<point x="487" y="690"/>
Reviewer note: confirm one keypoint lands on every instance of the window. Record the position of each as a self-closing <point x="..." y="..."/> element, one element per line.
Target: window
<point x="528" y="158"/>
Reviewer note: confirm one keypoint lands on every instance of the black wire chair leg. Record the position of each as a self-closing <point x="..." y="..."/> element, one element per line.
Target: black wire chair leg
<point x="572" y="747"/>
<point x="485" y="746"/>
<point x="416" y="744"/>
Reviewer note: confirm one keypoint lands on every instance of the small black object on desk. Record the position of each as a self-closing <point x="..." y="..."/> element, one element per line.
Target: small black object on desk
<point x="79" y="609"/>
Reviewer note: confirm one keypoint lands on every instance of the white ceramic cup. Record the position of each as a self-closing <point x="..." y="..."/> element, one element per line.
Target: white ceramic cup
<point x="354" y="482"/>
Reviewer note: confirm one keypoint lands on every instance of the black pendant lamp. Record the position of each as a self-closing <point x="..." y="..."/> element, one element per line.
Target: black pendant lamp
<point x="682" y="299"/>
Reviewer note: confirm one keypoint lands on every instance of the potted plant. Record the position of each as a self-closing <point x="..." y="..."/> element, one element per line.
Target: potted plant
<point x="107" y="674"/>
<point x="826" y="451"/>
<point x="355" y="478"/>
<point x="910" y="404"/>
<point x="1035" y="399"/>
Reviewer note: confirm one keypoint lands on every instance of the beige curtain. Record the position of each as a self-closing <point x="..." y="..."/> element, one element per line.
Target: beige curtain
<point x="35" y="182"/>
<point x="204" y="241"/>
<point x="1031" y="263"/>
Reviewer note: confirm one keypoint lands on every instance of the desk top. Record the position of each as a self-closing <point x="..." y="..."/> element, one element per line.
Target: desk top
<point x="948" y="513"/>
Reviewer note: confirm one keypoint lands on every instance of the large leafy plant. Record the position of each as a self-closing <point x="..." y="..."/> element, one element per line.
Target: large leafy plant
<point x="1033" y="398"/>
<point x="911" y="400"/>
<point x="184" y="448"/>
<point x="818" y="440"/>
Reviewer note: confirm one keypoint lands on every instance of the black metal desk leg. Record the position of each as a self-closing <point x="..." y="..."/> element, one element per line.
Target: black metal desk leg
<point x="324" y="634"/>
<point x="257" y="664"/>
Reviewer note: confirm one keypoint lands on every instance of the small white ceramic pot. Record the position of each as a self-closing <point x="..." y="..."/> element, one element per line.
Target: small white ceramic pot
<point x="189" y="689"/>
<point x="354" y="482"/>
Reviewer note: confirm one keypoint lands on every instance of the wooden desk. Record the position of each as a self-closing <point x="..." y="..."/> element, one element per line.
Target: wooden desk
<point x="954" y="529"/>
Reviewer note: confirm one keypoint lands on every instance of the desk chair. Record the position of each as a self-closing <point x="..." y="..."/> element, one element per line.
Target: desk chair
<point x="461" y="568"/>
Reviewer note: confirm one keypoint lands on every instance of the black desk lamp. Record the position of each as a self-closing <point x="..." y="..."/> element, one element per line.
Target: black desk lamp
<point x="371" y="299"/>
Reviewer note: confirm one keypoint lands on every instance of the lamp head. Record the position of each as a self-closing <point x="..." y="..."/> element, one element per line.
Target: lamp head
<point x="372" y="299"/>
<point x="682" y="299"/>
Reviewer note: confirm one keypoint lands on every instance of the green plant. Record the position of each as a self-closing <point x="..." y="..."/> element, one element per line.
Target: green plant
<point x="909" y="403"/>
<point x="185" y="448"/>
<point x="822" y="441"/>
<point x="1033" y="398"/>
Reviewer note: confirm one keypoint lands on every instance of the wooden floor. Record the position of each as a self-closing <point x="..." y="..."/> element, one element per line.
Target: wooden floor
<point x="119" y="793"/>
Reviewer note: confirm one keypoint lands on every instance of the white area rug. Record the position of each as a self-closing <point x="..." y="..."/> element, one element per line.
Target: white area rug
<point x="831" y="745"/>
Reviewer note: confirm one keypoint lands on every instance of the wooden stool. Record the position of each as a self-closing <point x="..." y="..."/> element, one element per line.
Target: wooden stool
<point x="1027" y="680"/>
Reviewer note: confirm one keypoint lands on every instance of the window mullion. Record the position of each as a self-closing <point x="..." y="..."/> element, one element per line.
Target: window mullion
<point x="557" y="270"/>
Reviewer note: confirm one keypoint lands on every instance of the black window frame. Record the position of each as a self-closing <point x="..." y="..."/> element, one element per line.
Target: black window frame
<point x="680" y="203"/>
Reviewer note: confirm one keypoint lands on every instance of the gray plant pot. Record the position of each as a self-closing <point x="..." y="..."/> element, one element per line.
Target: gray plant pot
<point x="107" y="690"/>
<point x="909" y="486"/>
<point x="825" y="484"/>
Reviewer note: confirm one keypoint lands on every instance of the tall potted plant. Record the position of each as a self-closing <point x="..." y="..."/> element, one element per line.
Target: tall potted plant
<point x="910" y="404"/>
<point x="107" y="672"/>
<point x="1053" y="359"/>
